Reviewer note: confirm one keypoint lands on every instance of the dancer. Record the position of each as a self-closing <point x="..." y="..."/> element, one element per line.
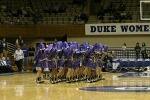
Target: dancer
<point x="38" y="62"/>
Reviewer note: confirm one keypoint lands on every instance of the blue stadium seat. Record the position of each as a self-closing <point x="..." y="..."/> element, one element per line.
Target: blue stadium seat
<point x="132" y="63"/>
<point x="124" y="63"/>
<point x="146" y="62"/>
<point x="139" y="63"/>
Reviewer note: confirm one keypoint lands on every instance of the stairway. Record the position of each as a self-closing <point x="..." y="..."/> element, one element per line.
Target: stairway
<point x="92" y="20"/>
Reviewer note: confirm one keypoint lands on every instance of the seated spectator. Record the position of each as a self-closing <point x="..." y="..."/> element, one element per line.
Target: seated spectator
<point x="83" y="17"/>
<point x="3" y="61"/>
<point x="29" y="11"/>
<point x="115" y="61"/>
<point x="37" y="17"/>
<point x="109" y="61"/>
<point x="47" y="9"/>
<point x="3" y="8"/>
<point x="31" y="53"/>
<point x="122" y="7"/>
<point x="19" y="11"/>
<point x="123" y="15"/>
<point x="118" y="1"/>
<point x="104" y="59"/>
<point x="8" y="61"/>
<point x="111" y="8"/>
<point x="6" y="67"/>
<point x="56" y="8"/>
<point x="62" y="9"/>
<point x="129" y="16"/>
<point x="76" y="18"/>
<point x="117" y="16"/>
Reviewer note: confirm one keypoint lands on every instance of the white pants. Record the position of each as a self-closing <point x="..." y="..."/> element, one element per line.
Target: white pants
<point x="115" y="65"/>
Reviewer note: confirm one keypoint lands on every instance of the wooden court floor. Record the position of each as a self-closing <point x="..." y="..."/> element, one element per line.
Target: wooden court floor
<point x="23" y="87"/>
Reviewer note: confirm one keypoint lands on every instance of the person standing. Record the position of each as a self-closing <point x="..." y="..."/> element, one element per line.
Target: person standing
<point x="31" y="53"/>
<point x="143" y="50"/>
<point x="25" y="60"/>
<point x="3" y="48"/>
<point x="18" y="57"/>
<point x="137" y="50"/>
<point x="124" y="50"/>
<point x="20" y="41"/>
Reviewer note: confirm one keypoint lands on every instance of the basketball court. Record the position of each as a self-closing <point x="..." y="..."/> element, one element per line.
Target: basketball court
<point x="116" y="86"/>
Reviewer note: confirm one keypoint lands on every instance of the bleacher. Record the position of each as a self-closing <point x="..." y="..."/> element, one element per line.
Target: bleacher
<point x="39" y="8"/>
<point x="131" y="7"/>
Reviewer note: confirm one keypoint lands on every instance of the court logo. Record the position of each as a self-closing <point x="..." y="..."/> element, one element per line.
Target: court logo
<point x="117" y="89"/>
<point x="135" y="75"/>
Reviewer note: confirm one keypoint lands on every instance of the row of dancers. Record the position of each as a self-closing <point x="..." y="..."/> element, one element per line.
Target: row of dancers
<point x="69" y="61"/>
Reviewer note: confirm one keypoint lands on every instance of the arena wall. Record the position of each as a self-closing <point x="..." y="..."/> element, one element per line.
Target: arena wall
<point x="36" y="33"/>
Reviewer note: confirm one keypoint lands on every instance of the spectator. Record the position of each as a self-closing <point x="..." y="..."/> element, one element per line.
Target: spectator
<point x="18" y="57"/>
<point x="31" y="53"/>
<point x="124" y="50"/>
<point x="143" y="50"/>
<point x="76" y="18"/>
<point x="105" y="59"/>
<point x="56" y="8"/>
<point x="37" y="17"/>
<point x="83" y="17"/>
<point x="129" y="16"/>
<point x="117" y="16"/>
<point x="7" y="67"/>
<point x="147" y="56"/>
<point x="115" y="61"/>
<point x="19" y="11"/>
<point x="111" y="8"/>
<point x="137" y="50"/>
<point x="123" y="15"/>
<point x="8" y="61"/>
<point x="29" y="12"/>
<point x="47" y="9"/>
<point x="63" y="9"/>
<point x="122" y="7"/>
<point x="109" y="61"/>
<point x="19" y="41"/>
<point x="25" y="60"/>
<point x="3" y="48"/>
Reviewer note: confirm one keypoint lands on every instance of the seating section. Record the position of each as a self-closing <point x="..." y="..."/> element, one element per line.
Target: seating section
<point x="42" y="11"/>
<point x="128" y="11"/>
<point x="71" y="11"/>
<point x="132" y="63"/>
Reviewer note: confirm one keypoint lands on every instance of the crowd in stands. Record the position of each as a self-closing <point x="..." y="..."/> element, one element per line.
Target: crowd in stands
<point x="55" y="8"/>
<point x="118" y="14"/>
<point x="80" y="18"/>
<point x="26" y="14"/>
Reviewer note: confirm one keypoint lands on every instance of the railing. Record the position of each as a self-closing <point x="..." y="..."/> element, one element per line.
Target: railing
<point x="130" y="53"/>
<point x="88" y="7"/>
<point x="11" y="49"/>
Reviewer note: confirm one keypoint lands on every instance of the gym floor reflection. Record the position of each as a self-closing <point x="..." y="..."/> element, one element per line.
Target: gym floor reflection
<point x="24" y="87"/>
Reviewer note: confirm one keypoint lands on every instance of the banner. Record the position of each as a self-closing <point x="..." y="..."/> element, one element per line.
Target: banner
<point x="117" y="28"/>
